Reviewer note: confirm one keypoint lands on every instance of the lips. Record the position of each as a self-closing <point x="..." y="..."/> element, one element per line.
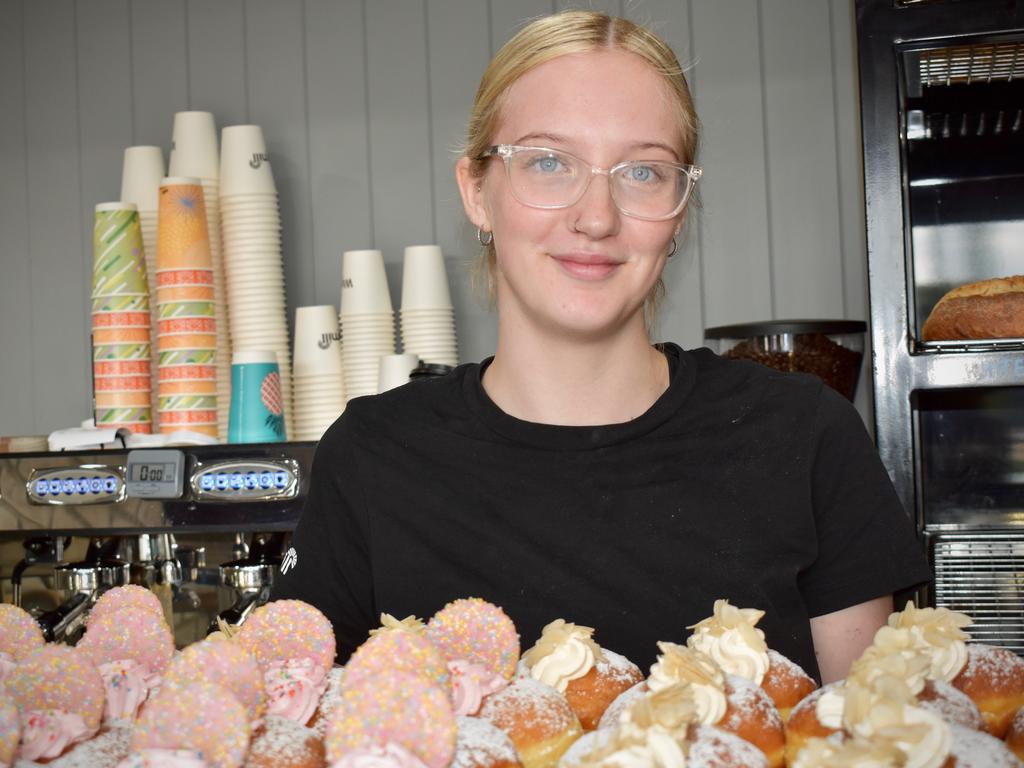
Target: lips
<point x="586" y="266"/>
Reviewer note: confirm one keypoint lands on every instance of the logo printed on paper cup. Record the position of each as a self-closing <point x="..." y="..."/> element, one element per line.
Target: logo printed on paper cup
<point x="327" y="338"/>
<point x="258" y="159"/>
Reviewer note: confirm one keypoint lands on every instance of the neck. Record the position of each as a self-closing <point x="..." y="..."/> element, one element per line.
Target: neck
<point x="574" y="382"/>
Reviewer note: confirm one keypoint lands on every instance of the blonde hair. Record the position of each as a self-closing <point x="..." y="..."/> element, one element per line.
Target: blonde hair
<point x="562" y="34"/>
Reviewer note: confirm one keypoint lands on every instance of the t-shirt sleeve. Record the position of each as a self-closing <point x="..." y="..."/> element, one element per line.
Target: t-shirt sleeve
<point x="867" y="547"/>
<point x="330" y="565"/>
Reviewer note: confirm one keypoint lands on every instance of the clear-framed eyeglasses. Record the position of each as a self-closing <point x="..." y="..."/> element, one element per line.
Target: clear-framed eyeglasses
<point x="540" y="177"/>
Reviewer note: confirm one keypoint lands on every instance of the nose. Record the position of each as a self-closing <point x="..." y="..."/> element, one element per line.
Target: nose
<point x="595" y="213"/>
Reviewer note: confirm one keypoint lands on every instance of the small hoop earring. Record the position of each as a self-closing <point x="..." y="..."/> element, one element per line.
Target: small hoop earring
<point x="673" y="251"/>
<point x="481" y="235"/>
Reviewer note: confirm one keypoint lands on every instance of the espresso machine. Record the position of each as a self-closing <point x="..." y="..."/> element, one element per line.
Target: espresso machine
<point x="77" y="524"/>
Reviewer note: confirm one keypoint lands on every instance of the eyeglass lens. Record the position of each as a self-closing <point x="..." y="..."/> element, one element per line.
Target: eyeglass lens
<point x="551" y="179"/>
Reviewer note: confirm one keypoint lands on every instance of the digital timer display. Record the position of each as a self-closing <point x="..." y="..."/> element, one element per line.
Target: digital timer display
<point x="150" y="473"/>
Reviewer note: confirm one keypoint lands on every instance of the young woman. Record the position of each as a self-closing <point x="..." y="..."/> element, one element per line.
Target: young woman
<point x="583" y="472"/>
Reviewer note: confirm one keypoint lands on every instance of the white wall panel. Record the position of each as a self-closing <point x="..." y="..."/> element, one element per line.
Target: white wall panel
<point x="58" y="281"/>
<point x="800" y="159"/>
<point x="17" y="405"/>
<point x="363" y="102"/>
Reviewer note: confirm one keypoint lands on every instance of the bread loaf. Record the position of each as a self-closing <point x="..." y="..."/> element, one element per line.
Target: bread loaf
<point x="990" y="309"/>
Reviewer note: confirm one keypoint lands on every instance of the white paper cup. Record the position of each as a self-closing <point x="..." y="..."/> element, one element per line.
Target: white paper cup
<point x="317" y="340"/>
<point x="140" y="178"/>
<point x="194" y="146"/>
<point x="394" y="370"/>
<point x="244" y="162"/>
<point x="364" y="283"/>
<point x="424" y="279"/>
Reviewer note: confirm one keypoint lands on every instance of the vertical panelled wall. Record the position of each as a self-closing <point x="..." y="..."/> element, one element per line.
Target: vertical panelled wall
<point x="364" y="103"/>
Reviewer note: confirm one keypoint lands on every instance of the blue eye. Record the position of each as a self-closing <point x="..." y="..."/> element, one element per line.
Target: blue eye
<point x="642" y="173"/>
<point x="548" y="164"/>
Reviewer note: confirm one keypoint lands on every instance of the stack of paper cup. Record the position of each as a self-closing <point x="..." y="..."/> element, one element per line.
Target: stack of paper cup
<point x="140" y="184"/>
<point x="367" y="320"/>
<point x="120" y="321"/>
<point x="194" y="153"/>
<point x="187" y="326"/>
<point x="251" y="228"/>
<point x="318" y="381"/>
<point x="395" y="370"/>
<point x="427" y="315"/>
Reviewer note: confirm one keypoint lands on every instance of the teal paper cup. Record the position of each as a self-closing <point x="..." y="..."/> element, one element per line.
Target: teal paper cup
<point x="257" y="408"/>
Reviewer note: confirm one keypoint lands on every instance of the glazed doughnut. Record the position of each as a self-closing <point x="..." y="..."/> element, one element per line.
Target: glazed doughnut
<point x="128" y="596"/>
<point x="19" y="636"/>
<point x="977" y="749"/>
<point x="224" y="663"/>
<point x="131" y="648"/>
<point x="283" y="743"/>
<point x="293" y="643"/>
<point x="478" y="744"/>
<point x="59" y="695"/>
<point x="804" y="725"/>
<point x="476" y="631"/>
<point x="953" y="706"/>
<point x="10" y="731"/>
<point x="1015" y="736"/>
<point x="752" y="715"/>
<point x="107" y="749"/>
<point x="537" y="719"/>
<point x="786" y="682"/>
<point x="199" y="718"/>
<point x="994" y="680"/>
<point x="392" y="713"/>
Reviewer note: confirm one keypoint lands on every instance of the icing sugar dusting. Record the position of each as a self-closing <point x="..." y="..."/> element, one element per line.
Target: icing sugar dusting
<point x="284" y="741"/>
<point x="478" y="743"/>
<point x="951" y="705"/>
<point x="104" y="751"/>
<point x="976" y="749"/>
<point x="532" y="704"/>
<point x="749" y="703"/>
<point x="715" y="748"/>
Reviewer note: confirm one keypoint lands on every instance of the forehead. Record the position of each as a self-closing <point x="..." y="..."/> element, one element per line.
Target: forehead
<point x="599" y="97"/>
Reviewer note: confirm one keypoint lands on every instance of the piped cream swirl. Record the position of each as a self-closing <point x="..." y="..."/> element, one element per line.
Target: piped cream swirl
<point x="678" y="664"/>
<point x="564" y="652"/>
<point x="731" y="638"/>
<point x="939" y="634"/>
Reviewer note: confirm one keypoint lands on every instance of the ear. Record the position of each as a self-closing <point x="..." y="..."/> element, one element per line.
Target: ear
<point x="470" y="187"/>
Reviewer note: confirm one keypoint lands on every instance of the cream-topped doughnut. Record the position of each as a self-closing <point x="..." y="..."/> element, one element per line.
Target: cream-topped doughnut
<point x="293" y="643"/>
<point x="10" y="731"/>
<point x="939" y="634"/>
<point x="994" y="679"/>
<point x="476" y="631"/>
<point x="731" y="638"/>
<point x="59" y="695"/>
<point x="19" y="635"/>
<point x="132" y="649"/>
<point x="394" y="711"/>
<point x="196" y="717"/>
<point x="224" y="663"/>
<point x="130" y="596"/>
<point x="537" y="719"/>
<point x="399" y="650"/>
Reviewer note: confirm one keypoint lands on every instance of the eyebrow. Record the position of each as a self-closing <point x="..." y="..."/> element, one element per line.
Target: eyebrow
<point x="555" y="138"/>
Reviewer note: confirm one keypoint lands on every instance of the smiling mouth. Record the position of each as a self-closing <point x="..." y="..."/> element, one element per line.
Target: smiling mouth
<point x="587" y="266"/>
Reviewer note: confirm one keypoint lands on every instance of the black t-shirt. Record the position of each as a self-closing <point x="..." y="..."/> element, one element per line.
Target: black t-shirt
<point x="739" y="482"/>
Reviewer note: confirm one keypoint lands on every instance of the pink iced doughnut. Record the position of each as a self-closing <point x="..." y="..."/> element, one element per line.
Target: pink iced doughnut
<point x="285" y="630"/>
<point x="57" y="677"/>
<point x="394" y="708"/>
<point x="132" y="634"/>
<point x="200" y="717"/>
<point x="19" y="632"/>
<point x="477" y="631"/>
<point x="128" y="596"/>
<point x="400" y="651"/>
<point x="10" y="731"/>
<point x="224" y="663"/>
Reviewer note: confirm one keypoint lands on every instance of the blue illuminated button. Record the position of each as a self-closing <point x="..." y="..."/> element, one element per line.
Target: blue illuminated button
<point x="222" y="481"/>
<point x="82" y="486"/>
<point x="206" y="482"/>
<point x="110" y="484"/>
<point x="266" y="480"/>
<point x="251" y="481"/>
<point x="42" y="487"/>
<point x="69" y="485"/>
<point x="96" y="485"/>
<point x="237" y="481"/>
<point x="281" y="479"/>
<point x="55" y="487"/>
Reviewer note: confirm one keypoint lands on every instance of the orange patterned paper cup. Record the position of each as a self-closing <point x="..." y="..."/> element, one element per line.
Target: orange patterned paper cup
<point x="187" y="325"/>
<point x="120" y="320"/>
<point x="183" y="241"/>
<point x="187" y="372"/>
<point x="167" y="278"/>
<point x="122" y="383"/>
<point x="168" y="388"/>
<point x="181" y="419"/>
<point x="186" y="341"/>
<point x="103" y="336"/>
<point x="121" y="368"/>
<point x="184" y="293"/>
<point x="123" y="399"/>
